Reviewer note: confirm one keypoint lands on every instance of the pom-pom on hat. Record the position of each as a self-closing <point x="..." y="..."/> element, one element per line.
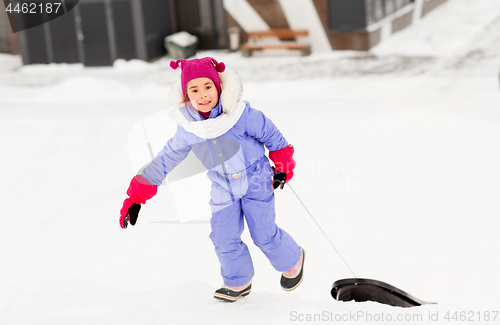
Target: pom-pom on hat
<point x="199" y="68"/>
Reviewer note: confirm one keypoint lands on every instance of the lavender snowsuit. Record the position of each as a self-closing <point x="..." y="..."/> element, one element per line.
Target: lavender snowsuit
<point x="230" y="144"/>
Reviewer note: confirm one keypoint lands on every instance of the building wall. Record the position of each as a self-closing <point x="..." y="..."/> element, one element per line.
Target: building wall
<point x="271" y="12"/>
<point x="208" y="19"/>
<point x="429" y="5"/>
<point x="250" y="15"/>
<point x="402" y="22"/>
<point x="97" y="32"/>
<point x="9" y="42"/>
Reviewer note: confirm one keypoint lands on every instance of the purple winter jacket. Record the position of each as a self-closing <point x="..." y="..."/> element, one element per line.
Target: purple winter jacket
<point x="230" y="149"/>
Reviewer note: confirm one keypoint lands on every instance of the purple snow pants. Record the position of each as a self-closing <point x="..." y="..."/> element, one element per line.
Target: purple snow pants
<point x="250" y="197"/>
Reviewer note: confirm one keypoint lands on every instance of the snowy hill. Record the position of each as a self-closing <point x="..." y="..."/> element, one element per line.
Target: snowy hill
<point x="397" y="156"/>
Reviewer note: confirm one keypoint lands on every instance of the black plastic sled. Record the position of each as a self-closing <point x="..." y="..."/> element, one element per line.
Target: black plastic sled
<point x="361" y="290"/>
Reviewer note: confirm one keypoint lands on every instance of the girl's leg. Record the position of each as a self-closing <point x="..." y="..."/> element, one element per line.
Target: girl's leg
<point x="227" y="225"/>
<point x="258" y="206"/>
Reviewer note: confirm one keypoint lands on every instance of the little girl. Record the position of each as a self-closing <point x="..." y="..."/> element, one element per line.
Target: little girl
<point x="228" y="136"/>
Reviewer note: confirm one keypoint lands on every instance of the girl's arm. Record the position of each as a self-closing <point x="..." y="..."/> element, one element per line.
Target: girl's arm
<point x="263" y="129"/>
<point x="280" y="152"/>
<point x="172" y="154"/>
<point x="144" y="185"/>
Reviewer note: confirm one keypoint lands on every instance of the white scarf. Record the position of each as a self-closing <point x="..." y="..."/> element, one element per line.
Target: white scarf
<point x="232" y="107"/>
<point x="215" y="127"/>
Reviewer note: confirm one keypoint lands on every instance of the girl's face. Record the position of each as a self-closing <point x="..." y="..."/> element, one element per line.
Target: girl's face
<point x="202" y="94"/>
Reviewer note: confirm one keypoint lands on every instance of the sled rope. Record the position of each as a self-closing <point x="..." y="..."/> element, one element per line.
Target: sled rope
<point x="324" y="234"/>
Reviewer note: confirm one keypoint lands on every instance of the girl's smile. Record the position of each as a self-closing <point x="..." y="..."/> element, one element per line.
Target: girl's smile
<point x="202" y="94"/>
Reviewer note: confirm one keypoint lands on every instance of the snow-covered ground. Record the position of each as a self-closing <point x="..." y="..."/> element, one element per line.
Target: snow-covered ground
<point x="398" y="155"/>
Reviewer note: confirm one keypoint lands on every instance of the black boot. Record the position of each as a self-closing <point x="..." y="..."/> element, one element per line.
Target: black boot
<point x="289" y="284"/>
<point x="228" y="295"/>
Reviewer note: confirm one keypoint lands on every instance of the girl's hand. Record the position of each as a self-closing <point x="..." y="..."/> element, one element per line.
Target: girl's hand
<point x="279" y="179"/>
<point x="284" y="163"/>
<point x="139" y="191"/>
<point x="129" y="213"/>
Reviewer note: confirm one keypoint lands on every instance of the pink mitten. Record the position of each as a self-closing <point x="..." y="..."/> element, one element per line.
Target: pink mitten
<point x="139" y="191"/>
<point x="283" y="161"/>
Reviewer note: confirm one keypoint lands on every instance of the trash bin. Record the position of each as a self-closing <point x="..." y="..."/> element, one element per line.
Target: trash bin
<point x="234" y="38"/>
<point x="181" y="45"/>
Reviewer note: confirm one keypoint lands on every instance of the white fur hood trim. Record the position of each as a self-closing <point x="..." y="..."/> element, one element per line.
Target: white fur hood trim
<point x="232" y="107"/>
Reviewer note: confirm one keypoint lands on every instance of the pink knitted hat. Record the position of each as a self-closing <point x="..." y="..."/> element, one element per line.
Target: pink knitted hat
<point x="199" y="68"/>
